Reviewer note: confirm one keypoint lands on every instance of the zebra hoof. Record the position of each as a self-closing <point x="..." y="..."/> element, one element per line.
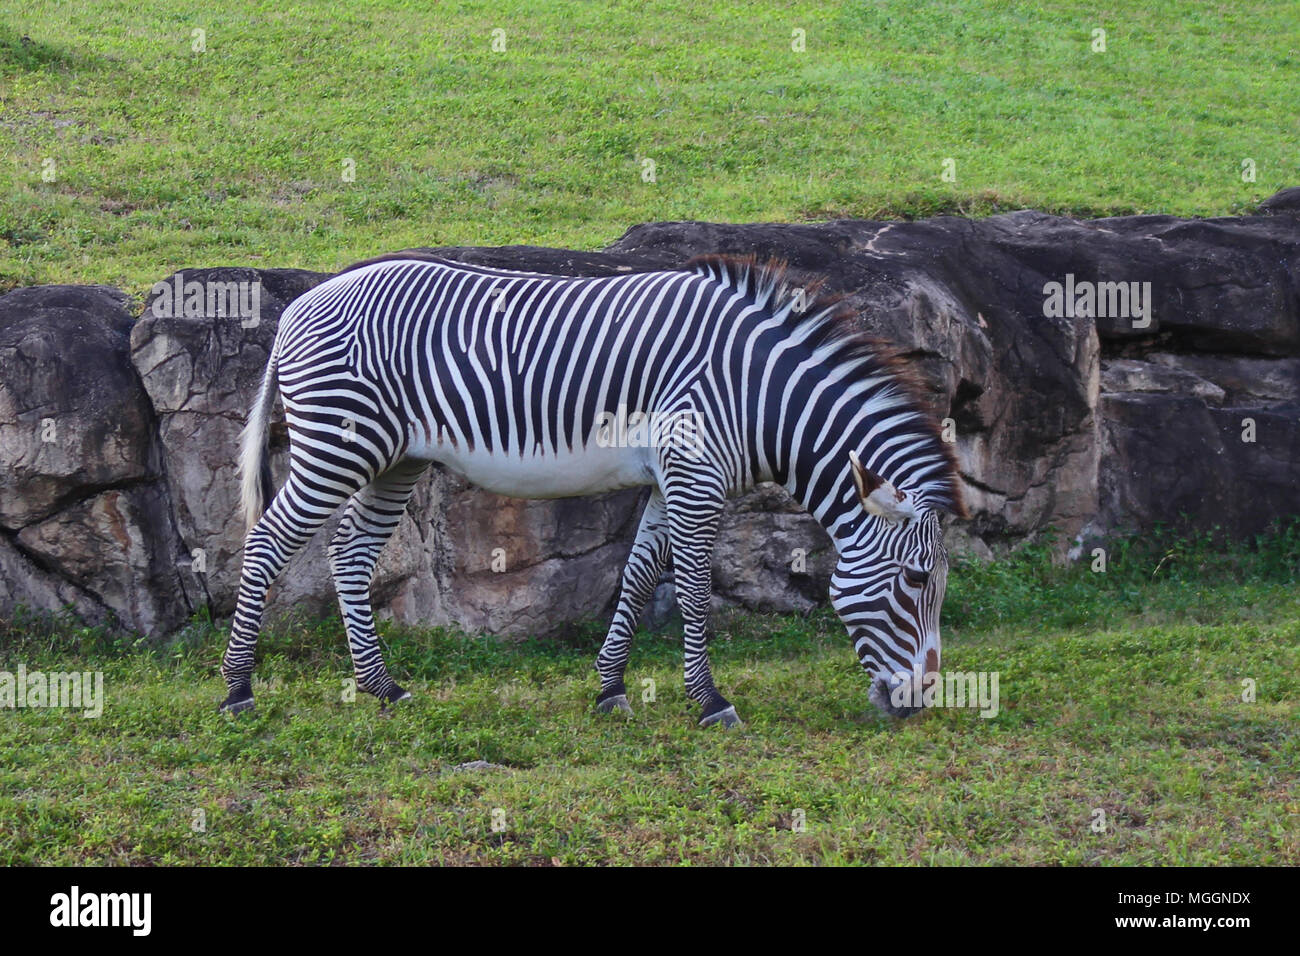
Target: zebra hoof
<point x="616" y="703"/>
<point x="394" y="695"/>
<point x="727" y="717"/>
<point x="239" y="701"/>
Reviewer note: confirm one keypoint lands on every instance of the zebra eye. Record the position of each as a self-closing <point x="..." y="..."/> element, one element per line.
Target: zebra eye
<point x="915" y="577"/>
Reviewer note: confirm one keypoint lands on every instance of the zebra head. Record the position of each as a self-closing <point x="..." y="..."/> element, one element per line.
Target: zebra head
<point x="887" y="589"/>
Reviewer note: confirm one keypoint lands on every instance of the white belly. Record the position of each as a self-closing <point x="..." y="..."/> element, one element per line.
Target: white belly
<point x="585" y="471"/>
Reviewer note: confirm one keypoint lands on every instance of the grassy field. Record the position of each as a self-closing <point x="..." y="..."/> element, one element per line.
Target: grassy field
<point x="1120" y="692"/>
<point x="162" y="157"/>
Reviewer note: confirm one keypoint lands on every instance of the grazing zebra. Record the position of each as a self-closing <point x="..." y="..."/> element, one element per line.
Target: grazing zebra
<point x="513" y="379"/>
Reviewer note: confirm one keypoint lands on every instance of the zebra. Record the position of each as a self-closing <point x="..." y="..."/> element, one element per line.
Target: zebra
<point x="513" y="378"/>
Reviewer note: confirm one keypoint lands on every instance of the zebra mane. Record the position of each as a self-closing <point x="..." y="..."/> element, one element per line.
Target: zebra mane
<point x="879" y="368"/>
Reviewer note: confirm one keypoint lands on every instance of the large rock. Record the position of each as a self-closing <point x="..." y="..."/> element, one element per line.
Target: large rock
<point x="84" y="515"/>
<point x="522" y="567"/>
<point x="1243" y="380"/>
<point x="1174" y="459"/>
<point x="118" y="545"/>
<point x="771" y="554"/>
<point x="1092" y="375"/>
<point x="1131" y="375"/>
<point x="27" y="589"/>
<point x="73" y="417"/>
<point x="201" y="369"/>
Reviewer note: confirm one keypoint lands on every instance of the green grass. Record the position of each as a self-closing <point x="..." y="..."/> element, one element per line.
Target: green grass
<point x="166" y="158"/>
<point x="1120" y="692"/>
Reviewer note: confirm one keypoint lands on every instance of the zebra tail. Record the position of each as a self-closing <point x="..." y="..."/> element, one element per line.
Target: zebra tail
<point x="256" y="487"/>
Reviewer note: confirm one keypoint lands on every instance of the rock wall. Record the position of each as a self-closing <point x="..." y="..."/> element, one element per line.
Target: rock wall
<point x="1073" y="402"/>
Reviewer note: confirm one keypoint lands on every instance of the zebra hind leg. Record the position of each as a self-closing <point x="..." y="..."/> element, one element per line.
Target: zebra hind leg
<point x="371" y="517"/>
<point x="641" y="575"/>
<point x="297" y="513"/>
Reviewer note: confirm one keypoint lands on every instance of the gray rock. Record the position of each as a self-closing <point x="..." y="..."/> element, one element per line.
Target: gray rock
<point x="86" y="516"/>
<point x="1080" y="420"/>
<point x="73" y="417"/>
<point x="1130" y="375"/>
<point x="1173" y="459"/>
<point x="521" y="567"/>
<point x="25" y="587"/>
<point x="109" y="545"/>
<point x="771" y="555"/>
<point x="200" y="370"/>
<point x="661" y="610"/>
<point x="1242" y="379"/>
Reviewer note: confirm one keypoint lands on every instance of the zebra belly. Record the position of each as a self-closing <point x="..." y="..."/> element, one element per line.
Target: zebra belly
<point x="583" y="471"/>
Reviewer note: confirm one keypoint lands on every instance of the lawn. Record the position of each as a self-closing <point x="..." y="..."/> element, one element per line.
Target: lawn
<point x="314" y="134"/>
<point x="1120" y="692"/>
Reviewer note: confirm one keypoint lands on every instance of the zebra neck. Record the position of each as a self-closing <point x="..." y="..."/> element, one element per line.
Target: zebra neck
<point x="828" y="413"/>
<point x="827" y="492"/>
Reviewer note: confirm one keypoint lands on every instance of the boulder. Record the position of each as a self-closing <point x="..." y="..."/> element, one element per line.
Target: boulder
<point x="26" y="588"/>
<point x="1130" y="375"/>
<point x="73" y="417"/>
<point x="1095" y="375"/>
<point x="1173" y="459"/>
<point x="201" y="358"/>
<point x="114" y="546"/>
<point x="771" y="554"/>
<point x="84" y="513"/>
<point x="1243" y="380"/>
<point x="525" y="567"/>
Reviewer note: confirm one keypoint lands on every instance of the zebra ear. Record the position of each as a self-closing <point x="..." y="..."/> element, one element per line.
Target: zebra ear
<point x="878" y="496"/>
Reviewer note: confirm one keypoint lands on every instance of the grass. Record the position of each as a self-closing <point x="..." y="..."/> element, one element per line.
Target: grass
<point x="164" y="157"/>
<point x="1120" y="691"/>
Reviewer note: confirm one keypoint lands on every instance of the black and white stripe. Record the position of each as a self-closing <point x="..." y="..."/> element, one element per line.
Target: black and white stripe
<point x="506" y="376"/>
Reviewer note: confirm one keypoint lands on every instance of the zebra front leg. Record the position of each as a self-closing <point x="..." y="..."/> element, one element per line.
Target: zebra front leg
<point x="641" y="575"/>
<point x="296" y="514"/>
<point x="693" y="517"/>
<point x="368" y="522"/>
